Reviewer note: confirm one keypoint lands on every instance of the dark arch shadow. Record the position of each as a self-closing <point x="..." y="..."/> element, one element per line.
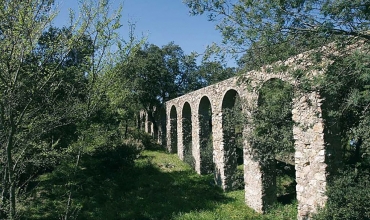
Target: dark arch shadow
<point x="205" y="136"/>
<point x="173" y="129"/>
<point x="232" y="125"/>
<point x="273" y="141"/>
<point x="187" y="135"/>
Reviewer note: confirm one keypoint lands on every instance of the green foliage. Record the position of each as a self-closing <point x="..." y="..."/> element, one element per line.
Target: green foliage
<point x="267" y="31"/>
<point x="262" y="53"/>
<point x="285" y="182"/>
<point x="349" y="196"/>
<point x="233" y="125"/>
<point x="50" y="197"/>
<point x="154" y="75"/>
<point x="207" y="156"/>
<point x="273" y="125"/>
<point x="51" y="92"/>
<point x="188" y="157"/>
<point x="157" y="186"/>
<point x="346" y="88"/>
<point x="268" y="22"/>
<point x="213" y="72"/>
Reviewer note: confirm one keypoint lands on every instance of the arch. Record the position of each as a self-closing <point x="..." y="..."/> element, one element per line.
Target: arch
<point x="205" y="136"/>
<point x="162" y="127"/>
<point x="173" y="130"/>
<point x="272" y="141"/>
<point x="142" y="120"/>
<point x="309" y="129"/>
<point x="232" y="130"/>
<point x="187" y="134"/>
<point x="148" y="124"/>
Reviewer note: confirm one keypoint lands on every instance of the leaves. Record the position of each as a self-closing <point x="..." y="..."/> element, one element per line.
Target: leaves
<point x="244" y="23"/>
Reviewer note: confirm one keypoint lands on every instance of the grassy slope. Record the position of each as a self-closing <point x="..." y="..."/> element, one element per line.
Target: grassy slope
<point x="158" y="186"/>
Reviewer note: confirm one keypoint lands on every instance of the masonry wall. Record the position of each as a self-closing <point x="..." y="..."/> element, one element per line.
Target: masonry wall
<point x="310" y="152"/>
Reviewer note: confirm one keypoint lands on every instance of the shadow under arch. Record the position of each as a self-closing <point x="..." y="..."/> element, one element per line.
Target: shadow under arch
<point x="232" y="125"/>
<point x="273" y="142"/>
<point x="187" y="134"/>
<point x="205" y="136"/>
<point x="173" y="130"/>
<point x="162" y="127"/>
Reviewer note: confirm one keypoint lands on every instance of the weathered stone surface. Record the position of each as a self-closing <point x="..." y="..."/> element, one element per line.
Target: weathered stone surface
<point x="308" y="130"/>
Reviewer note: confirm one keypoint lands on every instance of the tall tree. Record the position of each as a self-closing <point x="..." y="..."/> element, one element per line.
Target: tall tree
<point x="154" y="75"/>
<point x="42" y="74"/>
<point x="243" y="23"/>
<point x="214" y="72"/>
<point x="266" y="31"/>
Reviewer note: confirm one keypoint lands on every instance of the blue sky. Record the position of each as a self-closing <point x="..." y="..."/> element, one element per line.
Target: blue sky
<point x="162" y="21"/>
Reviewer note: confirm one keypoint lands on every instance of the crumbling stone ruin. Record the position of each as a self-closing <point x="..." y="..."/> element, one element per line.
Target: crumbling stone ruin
<point x="198" y="115"/>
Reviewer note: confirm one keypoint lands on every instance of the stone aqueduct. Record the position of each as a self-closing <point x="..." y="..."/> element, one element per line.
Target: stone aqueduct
<point x="311" y="135"/>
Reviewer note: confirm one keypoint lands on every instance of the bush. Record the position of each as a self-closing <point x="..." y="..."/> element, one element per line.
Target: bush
<point x="348" y="197"/>
<point x="146" y="139"/>
<point x="114" y="157"/>
<point x="188" y="156"/>
<point x="238" y="178"/>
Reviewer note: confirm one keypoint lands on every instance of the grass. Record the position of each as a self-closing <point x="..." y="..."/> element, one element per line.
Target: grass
<point x="157" y="186"/>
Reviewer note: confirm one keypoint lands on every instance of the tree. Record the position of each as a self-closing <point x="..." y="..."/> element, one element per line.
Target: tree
<point x="43" y="75"/>
<point x="267" y="31"/>
<point x="268" y="22"/>
<point x="154" y="75"/>
<point x="214" y="72"/>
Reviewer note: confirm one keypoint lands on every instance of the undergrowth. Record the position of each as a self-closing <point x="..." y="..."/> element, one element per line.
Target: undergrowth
<point x="157" y="186"/>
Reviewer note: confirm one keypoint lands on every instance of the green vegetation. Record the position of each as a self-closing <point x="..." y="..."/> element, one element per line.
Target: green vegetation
<point x="70" y="146"/>
<point x="265" y="31"/>
<point x="157" y="186"/>
<point x="67" y="93"/>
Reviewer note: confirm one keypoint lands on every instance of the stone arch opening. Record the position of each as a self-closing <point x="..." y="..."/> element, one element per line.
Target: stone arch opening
<point x="205" y="136"/>
<point x="232" y="125"/>
<point x="149" y="126"/>
<point x="162" y="127"/>
<point x="142" y="120"/>
<point x="187" y="134"/>
<point x="173" y="129"/>
<point x="273" y="140"/>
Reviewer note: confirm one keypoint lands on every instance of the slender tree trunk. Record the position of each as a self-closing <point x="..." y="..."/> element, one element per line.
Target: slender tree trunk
<point x="69" y="201"/>
<point x="126" y="127"/>
<point x="9" y="148"/>
<point x="4" y="192"/>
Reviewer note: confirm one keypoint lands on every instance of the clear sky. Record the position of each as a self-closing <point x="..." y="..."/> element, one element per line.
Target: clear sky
<point x="162" y="21"/>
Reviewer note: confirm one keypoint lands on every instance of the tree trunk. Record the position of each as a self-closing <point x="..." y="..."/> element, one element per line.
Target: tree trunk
<point x="126" y="127"/>
<point x="69" y="201"/>
<point x="9" y="148"/>
<point x="4" y="192"/>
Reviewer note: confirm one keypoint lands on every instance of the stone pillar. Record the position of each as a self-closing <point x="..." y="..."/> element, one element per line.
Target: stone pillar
<point x="253" y="180"/>
<point x="218" y="152"/>
<point x="180" y="145"/>
<point x="151" y="126"/>
<point x="163" y="128"/>
<point x="310" y="153"/>
<point x="168" y="129"/>
<point x="259" y="179"/>
<point x="195" y="139"/>
<point x="146" y="122"/>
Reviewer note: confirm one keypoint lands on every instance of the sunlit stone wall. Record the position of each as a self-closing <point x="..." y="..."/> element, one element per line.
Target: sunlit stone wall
<point x="310" y="152"/>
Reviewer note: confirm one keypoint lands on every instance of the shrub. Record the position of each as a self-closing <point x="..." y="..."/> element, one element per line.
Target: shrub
<point x="146" y="139"/>
<point x="348" y="196"/>
<point x="188" y="156"/>
<point x="124" y="154"/>
<point x="238" y="178"/>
